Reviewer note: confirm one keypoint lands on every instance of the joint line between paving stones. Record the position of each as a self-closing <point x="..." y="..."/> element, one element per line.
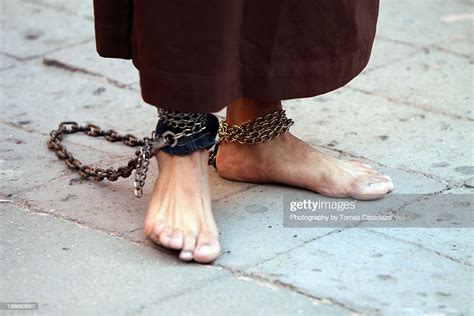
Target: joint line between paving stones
<point x="462" y="262"/>
<point x="420" y="106"/>
<point x="302" y="244"/>
<point x="236" y="192"/>
<point x="286" y="286"/>
<point x="27" y="207"/>
<point x="51" y="62"/>
<point x="65" y="173"/>
<point x="29" y="58"/>
<point x="197" y="287"/>
<point x="425" y="48"/>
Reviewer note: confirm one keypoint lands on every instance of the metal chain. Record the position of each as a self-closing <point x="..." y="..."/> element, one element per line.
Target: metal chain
<point x="259" y="130"/>
<point x="86" y="171"/>
<point x="188" y="122"/>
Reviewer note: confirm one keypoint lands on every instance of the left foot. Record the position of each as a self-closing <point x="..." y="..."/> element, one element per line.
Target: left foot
<point x="288" y="160"/>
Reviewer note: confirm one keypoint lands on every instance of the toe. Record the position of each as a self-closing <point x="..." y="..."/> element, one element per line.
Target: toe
<point x="165" y="236"/>
<point x="371" y="189"/>
<point x="152" y="230"/>
<point x="207" y="249"/>
<point x="158" y="226"/>
<point x="176" y="241"/>
<point x="389" y="182"/>
<point x="189" y="245"/>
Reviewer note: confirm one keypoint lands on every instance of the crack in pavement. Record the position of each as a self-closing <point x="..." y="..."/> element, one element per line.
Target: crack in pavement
<point x="51" y="62"/>
<point x="436" y="252"/>
<point x="292" y="288"/>
<point x="426" y="49"/>
<point x="53" y="50"/>
<point x="419" y="106"/>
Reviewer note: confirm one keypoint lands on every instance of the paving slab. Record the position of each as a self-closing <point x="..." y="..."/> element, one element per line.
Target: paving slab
<point x="450" y="241"/>
<point x="436" y="69"/>
<point x="374" y="274"/>
<point x="392" y="134"/>
<point x="387" y="52"/>
<point x="246" y="297"/>
<point x="76" y="7"/>
<point x="7" y="62"/>
<point x="423" y="22"/>
<point x="42" y="32"/>
<point x="453" y="243"/>
<point x="72" y="96"/>
<point x="27" y="162"/>
<point x="94" y="271"/>
<point x="99" y="274"/>
<point x="85" y="57"/>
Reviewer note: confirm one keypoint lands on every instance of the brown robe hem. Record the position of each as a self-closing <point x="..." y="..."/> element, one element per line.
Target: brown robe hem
<point x="193" y="57"/>
<point x="280" y="82"/>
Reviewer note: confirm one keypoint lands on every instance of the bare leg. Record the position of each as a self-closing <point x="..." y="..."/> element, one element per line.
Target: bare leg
<point x="179" y="213"/>
<point x="288" y="160"/>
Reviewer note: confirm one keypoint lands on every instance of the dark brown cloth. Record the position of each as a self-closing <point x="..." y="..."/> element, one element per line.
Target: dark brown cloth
<point x="201" y="55"/>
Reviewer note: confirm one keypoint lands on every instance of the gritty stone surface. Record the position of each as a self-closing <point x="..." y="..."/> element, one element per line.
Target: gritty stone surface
<point x="387" y="52"/>
<point x="74" y="7"/>
<point x="27" y="163"/>
<point x="376" y="273"/>
<point x="42" y="32"/>
<point x="7" y="62"/>
<point x="85" y="57"/>
<point x="452" y="73"/>
<point x="98" y="269"/>
<point x="69" y="96"/>
<point x="424" y="22"/>
<point x="77" y="247"/>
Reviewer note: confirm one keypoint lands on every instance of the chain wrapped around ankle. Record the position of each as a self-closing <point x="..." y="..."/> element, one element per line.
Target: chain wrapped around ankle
<point x="176" y="133"/>
<point x="256" y="131"/>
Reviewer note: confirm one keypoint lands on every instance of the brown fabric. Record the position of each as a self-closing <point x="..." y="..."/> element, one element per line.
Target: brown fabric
<point x="199" y="56"/>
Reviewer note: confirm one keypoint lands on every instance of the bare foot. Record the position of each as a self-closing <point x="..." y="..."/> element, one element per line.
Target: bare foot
<point x="179" y="213"/>
<point x="288" y="160"/>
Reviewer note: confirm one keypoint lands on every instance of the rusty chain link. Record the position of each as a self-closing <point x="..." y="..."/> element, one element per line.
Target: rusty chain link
<point x="259" y="130"/>
<point x="86" y="171"/>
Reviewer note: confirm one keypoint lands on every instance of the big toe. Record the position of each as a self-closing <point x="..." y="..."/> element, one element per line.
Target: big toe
<point x="372" y="190"/>
<point x="207" y="249"/>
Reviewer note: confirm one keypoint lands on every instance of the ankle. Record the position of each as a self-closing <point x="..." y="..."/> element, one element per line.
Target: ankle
<point x="245" y="109"/>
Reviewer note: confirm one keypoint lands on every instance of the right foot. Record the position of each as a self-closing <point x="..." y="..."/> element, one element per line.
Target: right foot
<point x="179" y="213"/>
<point x="288" y="160"/>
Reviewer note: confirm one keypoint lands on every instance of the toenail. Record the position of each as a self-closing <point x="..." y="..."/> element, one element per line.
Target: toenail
<point x="186" y="255"/>
<point x="205" y="249"/>
<point x="376" y="184"/>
